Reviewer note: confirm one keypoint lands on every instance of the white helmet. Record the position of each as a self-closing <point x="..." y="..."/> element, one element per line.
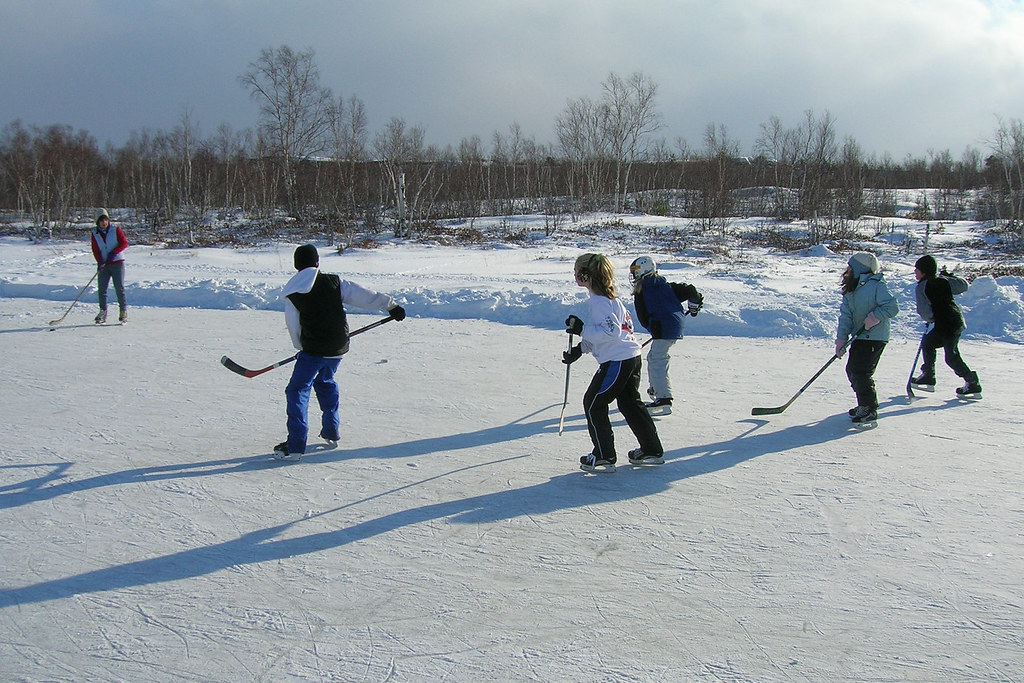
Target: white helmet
<point x="641" y="268"/>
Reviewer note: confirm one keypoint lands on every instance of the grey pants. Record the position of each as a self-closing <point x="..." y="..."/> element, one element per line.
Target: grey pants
<point x="658" y="360"/>
<point x="112" y="271"/>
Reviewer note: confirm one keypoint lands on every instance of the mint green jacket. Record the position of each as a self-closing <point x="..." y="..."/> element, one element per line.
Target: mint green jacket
<point x="870" y="295"/>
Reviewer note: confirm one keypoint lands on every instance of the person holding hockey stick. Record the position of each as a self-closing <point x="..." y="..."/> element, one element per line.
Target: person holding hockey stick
<point x="608" y="334"/>
<point x="866" y="303"/>
<point x="659" y="308"/>
<point x="108" y="245"/>
<point x="314" y="311"/>
<point x="935" y="304"/>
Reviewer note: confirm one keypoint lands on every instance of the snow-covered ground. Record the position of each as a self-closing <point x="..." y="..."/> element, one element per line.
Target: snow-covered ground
<point x="147" y="534"/>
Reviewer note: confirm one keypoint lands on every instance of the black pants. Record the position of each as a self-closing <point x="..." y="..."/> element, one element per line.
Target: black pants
<point x="950" y="343"/>
<point x="618" y="381"/>
<point x="860" y="369"/>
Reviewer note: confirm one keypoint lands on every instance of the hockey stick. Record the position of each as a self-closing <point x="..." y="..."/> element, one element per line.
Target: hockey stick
<point x="834" y="358"/>
<point x="236" y="368"/>
<point x="565" y="401"/>
<point x="920" y="348"/>
<point x="60" y="319"/>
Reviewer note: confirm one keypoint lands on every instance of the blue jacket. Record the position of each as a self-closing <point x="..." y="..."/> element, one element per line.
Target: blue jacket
<point x="658" y="305"/>
<point x="870" y="295"/>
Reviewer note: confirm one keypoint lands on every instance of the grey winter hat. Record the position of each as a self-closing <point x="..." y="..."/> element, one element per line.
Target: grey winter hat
<point x="864" y="262"/>
<point x="102" y="213"/>
<point x="306" y="256"/>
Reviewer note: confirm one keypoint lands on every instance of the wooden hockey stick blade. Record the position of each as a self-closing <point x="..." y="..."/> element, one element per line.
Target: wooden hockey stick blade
<point x="236" y="368"/>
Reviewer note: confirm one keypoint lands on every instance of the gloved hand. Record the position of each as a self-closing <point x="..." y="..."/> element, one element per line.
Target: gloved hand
<point x="694" y="305"/>
<point x="573" y="325"/>
<point x="840" y="348"/>
<point x="570" y="357"/>
<point x="397" y="313"/>
<point x="871" y="320"/>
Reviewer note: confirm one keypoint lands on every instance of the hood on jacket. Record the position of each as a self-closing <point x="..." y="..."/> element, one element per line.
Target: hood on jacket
<point x="864" y="263"/>
<point x="301" y="282"/>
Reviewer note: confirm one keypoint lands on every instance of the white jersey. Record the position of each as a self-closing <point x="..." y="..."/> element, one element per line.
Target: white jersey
<point x="608" y="330"/>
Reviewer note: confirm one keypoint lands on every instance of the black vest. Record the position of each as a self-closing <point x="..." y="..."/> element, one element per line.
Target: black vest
<point x="323" y="329"/>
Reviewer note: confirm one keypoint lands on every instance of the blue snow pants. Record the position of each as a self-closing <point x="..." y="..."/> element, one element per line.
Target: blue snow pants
<point x="316" y="373"/>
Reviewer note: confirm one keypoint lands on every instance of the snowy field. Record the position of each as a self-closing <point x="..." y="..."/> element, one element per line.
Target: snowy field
<point x="148" y="535"/>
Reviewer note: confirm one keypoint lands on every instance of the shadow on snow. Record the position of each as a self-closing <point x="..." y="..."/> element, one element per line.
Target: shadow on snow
<point x="561" y="492"/>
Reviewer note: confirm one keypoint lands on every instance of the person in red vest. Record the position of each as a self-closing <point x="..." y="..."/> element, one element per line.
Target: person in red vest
<point x="108" y="245"/>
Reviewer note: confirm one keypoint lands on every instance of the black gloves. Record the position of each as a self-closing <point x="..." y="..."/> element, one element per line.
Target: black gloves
<point x="695" y="304"/>
<point x="397" y="313"/>
<point x="570" y="357"/>
<point x="573" y="325"/>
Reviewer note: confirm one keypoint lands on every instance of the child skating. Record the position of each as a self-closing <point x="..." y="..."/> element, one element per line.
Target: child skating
<point x="935" y="305"/>
<point x="607" y="332"/>
<point x="864" y="313"/>
<point x="659" y="308"/>
<point x="314" y="312"/>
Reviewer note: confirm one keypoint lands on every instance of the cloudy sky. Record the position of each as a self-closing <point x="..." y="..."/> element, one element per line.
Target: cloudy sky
<point x="899" y="76"/>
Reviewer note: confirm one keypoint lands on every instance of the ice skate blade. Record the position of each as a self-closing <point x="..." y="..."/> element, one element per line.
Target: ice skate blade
<point x="598" y="469"/>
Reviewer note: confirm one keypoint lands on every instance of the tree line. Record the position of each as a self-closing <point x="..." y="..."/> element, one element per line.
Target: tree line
<point x="312" y="158"/>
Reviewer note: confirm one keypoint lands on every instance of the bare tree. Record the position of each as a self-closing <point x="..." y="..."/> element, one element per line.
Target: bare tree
<point x="1008" y="151"/>
<point x="16" y="164"/>
<point x="581" y="135"/>
<point x="229" y="150"/>
<point x="401" y="152"/>
<point x="628" y="117"/>
<point x="295" y="111"/>
<point x="714" y="202"/>
<point x="851" y="201"/>
<point x="600" y="137"/>
<point x="349" y="131"/>
<point x="52" y="169"/>
<point x="778" y="146"/>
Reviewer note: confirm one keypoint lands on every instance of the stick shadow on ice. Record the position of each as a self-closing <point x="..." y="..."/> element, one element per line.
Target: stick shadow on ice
<point x="561" y="492"/>
<point x="50" y="485"/>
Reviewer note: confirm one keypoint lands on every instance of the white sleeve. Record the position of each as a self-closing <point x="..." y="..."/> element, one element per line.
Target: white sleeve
<point x="358" y="296"/>
<point x="291" y="319"/>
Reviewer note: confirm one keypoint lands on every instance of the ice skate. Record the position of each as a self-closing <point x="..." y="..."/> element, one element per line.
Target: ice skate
<point x="971" y="387"/>
<point x="281" y="453"/>
<point x="925" y="381"/>
<point x="591" y="463"/>
<point x="661" y="406"/>
<point x="639" y="457"/>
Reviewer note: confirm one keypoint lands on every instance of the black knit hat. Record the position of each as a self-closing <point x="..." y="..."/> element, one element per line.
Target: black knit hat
<point x="306" y="256"/>
<point x="927" y="265"/>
